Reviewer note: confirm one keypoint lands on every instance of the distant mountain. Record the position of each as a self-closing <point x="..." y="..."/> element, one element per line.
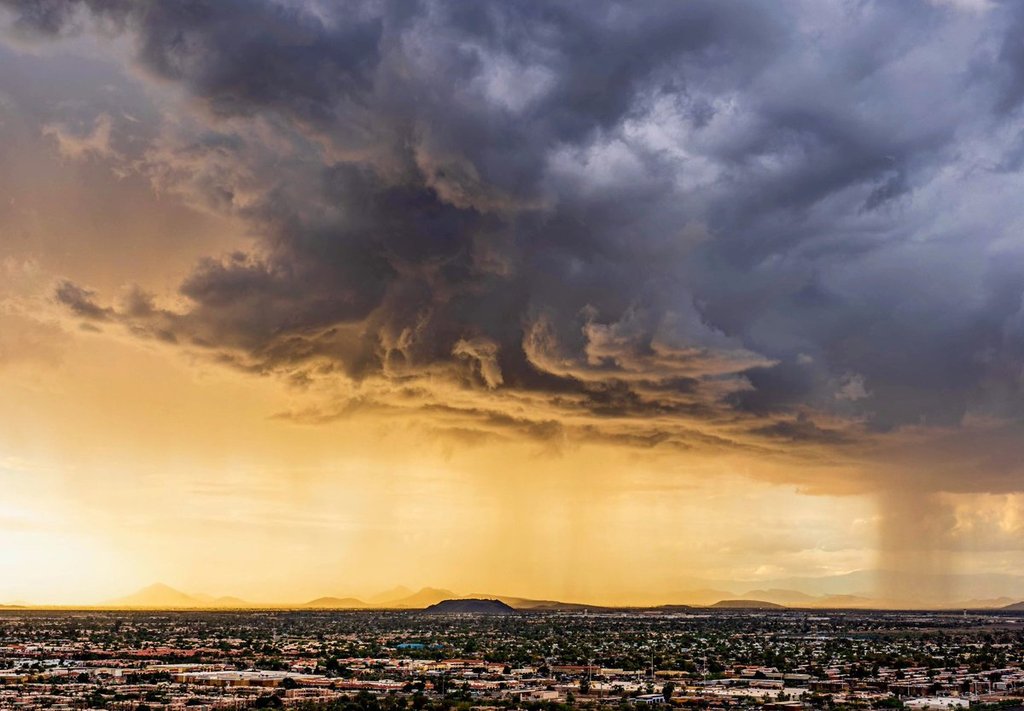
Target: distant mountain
<point x="396" y="593"/>
<point x="157" y="595"/>
<point x="902" y="588"/>
<point x="1014" y="607"/>
<point x="863" y="589"/>
<point x="335" y="603"/>
<point x="700" y="596"/>
<point x="162" y="596"/>
<point x="857" y="582"/>
<point x="470" y="606"/>
<point x="231" y="601"/>
<point x="795" y="598"/>
<point x="421" y="598"/>
<point x="525" y="603"/>
<point x="788" y="598"/>
<point x="873" y="587"/>
<point x="748" y="605"/>
<point x="228" y="601"/>
<point x="987" y="603"/>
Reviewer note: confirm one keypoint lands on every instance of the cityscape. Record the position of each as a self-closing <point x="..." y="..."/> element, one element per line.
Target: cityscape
<point x="484" y="654"/>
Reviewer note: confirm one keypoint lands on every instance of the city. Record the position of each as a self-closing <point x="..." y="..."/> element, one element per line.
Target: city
<point x="411" y="659"/>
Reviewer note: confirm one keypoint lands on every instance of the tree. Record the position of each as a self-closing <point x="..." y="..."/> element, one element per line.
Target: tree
<point x="668" y="690"/>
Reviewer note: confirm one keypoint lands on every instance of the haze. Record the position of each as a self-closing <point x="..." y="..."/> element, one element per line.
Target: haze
<point x="592" y="301"/>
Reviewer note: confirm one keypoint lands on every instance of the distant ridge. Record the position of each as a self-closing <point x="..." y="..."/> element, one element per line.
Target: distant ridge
<point x="672" y="608"/>
<point x="748" y="605"/>
<point x="160" y="596"/>
<point x="700" y="596"/>
<point x="396" y="593"/>
<point x="336" y="603"/>
<point x="795" y="598"/>
<point x="423" y="597"/>
<point x="984" y="603"/>
<point x="523" y="603"/>
<point x="157" y="595"/>
<point x="470" y="606"/>
<point x="822" y="594"/>
<point x="788" y="598"/>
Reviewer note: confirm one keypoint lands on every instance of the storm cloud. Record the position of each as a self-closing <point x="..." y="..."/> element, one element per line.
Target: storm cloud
<point x="781" y="227"/>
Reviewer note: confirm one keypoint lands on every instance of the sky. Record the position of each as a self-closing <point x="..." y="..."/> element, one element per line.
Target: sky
<point x="589" y="300"/>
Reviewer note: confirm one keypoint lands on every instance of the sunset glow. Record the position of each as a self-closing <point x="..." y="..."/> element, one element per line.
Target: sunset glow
<point x="605" y="302"/>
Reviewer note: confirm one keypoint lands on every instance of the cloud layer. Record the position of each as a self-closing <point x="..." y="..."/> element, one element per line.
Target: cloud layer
<point x="789" y="230"/>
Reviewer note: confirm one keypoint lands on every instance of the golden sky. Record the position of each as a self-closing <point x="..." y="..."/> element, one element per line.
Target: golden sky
<point x="569" y="305"/>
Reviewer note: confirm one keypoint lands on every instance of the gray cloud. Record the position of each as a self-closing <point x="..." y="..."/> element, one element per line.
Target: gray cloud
<point x="761" y="216"/>
<point x="81" y="302"/>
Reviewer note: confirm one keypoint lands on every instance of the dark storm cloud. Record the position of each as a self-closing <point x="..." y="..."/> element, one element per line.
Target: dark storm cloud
<point x="741" y="213"/>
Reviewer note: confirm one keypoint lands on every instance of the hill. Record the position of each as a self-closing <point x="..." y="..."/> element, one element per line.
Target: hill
<point x="335" y="603"/>
<point x="470" y="606"/>
<point x="748" y="605"/>
<point x="1014" y="607"/>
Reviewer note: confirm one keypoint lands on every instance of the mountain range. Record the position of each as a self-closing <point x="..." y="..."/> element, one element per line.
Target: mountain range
<point x="851" y="590"/>
<point x="161" y="596"/>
